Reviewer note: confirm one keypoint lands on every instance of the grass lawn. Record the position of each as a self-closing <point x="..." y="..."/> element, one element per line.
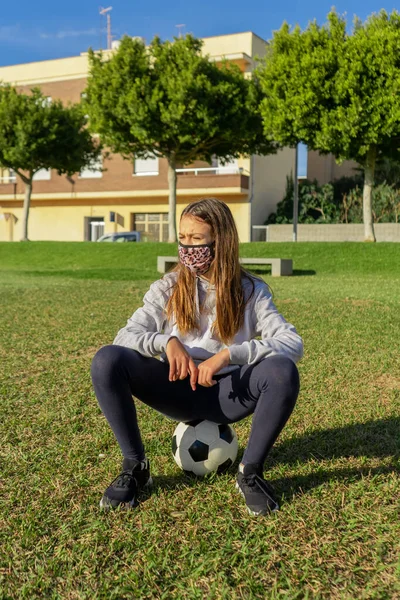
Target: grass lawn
<point x="335" y="467"/>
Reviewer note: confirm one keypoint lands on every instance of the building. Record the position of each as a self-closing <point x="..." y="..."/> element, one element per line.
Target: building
<point x="128" y="196"/>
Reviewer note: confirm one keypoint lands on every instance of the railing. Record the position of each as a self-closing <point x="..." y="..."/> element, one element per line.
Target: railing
<point x="215" y="171"/>
<point x="9" y="179"/>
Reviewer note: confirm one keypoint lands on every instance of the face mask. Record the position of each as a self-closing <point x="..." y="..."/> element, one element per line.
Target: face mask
<point x="197" y="258"/>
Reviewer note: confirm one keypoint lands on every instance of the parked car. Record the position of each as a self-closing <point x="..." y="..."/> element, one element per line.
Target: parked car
<point x="125" y="236"/>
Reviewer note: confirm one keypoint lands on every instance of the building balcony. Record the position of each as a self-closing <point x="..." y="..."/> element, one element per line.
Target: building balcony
<point x="212" y="171"/>
<point x="117" y="181"/>
<point x="213" y="177"/>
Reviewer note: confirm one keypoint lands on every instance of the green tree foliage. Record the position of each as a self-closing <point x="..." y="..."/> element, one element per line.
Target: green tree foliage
<point x="388" y="171"/>
<point x="35" y="134"/>
<point x="170" y="101"/>
<point x="337" y="92"/>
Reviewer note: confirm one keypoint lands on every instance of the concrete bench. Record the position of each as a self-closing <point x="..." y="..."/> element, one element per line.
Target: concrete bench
<point x="279" y="266"/>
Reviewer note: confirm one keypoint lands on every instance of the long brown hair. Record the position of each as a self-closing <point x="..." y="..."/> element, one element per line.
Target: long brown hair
<point x="227" y="275"/>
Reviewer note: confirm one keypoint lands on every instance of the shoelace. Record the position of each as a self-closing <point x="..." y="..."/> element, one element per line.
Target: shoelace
<point x="253" y="480"/>
<point x="123" y="479"/>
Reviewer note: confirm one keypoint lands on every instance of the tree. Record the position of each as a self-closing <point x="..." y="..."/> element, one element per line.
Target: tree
<point x="36" y="134"/>
<point x="170" y="101"/>
<point x="337" y="92"/>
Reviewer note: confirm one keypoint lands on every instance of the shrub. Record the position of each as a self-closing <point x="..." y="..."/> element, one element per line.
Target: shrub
<point x="340" y="201"/>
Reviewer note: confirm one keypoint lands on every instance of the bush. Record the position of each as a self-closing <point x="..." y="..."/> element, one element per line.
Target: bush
<point x="340" y="201"/>
<point x="386" y="204"/>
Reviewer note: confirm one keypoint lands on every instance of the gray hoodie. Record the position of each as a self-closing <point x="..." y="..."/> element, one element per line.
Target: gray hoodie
<point x="148" y="329"/>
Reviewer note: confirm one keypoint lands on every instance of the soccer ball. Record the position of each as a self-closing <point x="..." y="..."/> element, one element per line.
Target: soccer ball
<point x="201" y="447"/>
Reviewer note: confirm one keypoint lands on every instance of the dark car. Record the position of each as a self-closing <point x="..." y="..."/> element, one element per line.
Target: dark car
<point x="125" y="236"/>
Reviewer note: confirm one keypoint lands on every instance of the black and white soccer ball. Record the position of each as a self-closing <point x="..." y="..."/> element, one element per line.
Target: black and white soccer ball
<point x="201" y="447"/>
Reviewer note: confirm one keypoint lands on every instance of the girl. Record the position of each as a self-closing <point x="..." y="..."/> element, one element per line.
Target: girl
<point x="202" y="318"/>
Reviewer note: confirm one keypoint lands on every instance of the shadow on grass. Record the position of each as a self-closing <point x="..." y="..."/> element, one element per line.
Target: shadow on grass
<point x="185" y="479"/>
<point x="302" y="272"/>
<point x="290" y="487"/>
<point x="168" y="482"/>
<point x="100" y="273"/>
<point x="372" y="439"/>
<point x="267" y="271"/>
<point x="115" y="274"/>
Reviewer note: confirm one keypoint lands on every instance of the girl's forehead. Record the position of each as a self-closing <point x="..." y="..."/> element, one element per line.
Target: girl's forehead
<point x="193" y="225"/>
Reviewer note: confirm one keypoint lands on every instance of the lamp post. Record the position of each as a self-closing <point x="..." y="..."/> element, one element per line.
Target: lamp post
<point x="295" y="192"/>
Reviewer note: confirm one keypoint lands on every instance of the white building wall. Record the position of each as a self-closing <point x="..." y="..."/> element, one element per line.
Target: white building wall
<point x="269" y="182"/>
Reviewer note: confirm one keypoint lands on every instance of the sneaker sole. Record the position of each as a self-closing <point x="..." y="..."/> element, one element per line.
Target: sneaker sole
<point x="254" y="513"/>
<point x="105" y="505"/>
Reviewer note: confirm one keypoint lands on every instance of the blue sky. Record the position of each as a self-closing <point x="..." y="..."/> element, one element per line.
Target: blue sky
<point x="31" y="31"/>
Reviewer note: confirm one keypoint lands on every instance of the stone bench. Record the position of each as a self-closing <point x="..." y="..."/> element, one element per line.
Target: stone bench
<point x="279" y="266"/>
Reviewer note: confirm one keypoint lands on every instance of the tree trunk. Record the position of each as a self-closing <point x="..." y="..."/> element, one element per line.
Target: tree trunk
<point x="172" y="199"/>
<point x="369" y="174"/>
<point x="27" y="204"/>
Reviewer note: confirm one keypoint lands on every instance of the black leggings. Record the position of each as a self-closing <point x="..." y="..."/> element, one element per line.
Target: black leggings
<point x="268" y="389"/>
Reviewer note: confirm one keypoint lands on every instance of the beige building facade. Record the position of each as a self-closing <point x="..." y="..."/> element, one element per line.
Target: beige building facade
<point x="123" y="195"/>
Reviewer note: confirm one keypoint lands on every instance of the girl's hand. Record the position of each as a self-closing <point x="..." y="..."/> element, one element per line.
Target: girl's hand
<point x="180" y="362"/>
<point x="209" y="367"/>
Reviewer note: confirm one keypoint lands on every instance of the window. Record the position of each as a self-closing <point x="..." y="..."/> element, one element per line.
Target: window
<point x="96" y="230"/>
<point x="229" y="167"/>
<point x="92" y="171"/>
<point x="214" y="162"/>
<point x="146" y="166"/>
<point x="7" y="175"/>
<point x="42" y="175"/>
<point x="152" y="226"/>
<point x="93" y="228"/>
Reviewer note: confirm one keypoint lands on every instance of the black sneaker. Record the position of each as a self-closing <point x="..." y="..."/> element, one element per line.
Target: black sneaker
<point x="125" y="488"/>
<point x="258" y="494"/>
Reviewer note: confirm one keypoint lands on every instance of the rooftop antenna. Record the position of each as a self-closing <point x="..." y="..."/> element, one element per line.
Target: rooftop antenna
<point x="106" y="11"/>
<point x="180" y="29"/>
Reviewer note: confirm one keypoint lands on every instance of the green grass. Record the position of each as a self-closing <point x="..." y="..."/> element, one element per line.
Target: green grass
<point x="335" y="466"/>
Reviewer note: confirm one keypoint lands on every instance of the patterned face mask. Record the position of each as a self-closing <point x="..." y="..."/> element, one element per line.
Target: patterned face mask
<point x="197" y="258"/>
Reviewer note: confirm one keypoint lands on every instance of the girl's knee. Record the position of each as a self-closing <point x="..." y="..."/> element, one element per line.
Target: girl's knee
<point x="287" y="369"/>
<point x="106" y="359"/>
<point x="280" y="371"/>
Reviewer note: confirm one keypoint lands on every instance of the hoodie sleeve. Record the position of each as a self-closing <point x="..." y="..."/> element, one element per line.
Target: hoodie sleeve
<point x="144" y="329"/>
<point x="277" y="335"/>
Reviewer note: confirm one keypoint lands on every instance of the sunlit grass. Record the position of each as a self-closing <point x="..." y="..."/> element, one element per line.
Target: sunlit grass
<point x="335" y="467"/>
